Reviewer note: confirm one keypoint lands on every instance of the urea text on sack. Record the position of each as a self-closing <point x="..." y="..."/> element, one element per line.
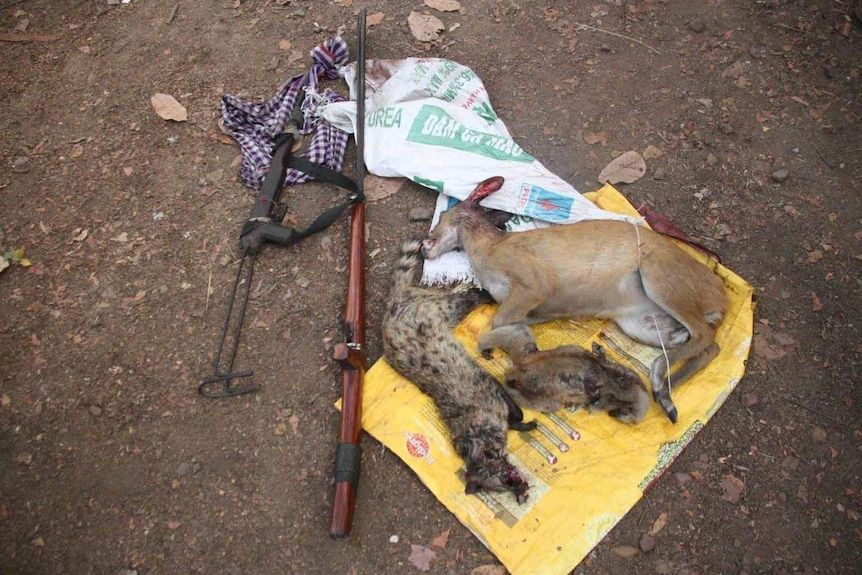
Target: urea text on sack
<point x="385" y="117"/>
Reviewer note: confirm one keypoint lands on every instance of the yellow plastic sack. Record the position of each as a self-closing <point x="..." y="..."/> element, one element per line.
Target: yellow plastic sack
<point x="585" y="470"/>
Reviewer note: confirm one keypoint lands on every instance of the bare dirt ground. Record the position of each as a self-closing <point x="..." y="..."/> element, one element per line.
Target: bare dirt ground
<point x="109" y="460"/>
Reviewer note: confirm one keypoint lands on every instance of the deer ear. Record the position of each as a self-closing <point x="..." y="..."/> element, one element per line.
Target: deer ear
<point x="485" y="189"/>
<point x="499" y="218"/>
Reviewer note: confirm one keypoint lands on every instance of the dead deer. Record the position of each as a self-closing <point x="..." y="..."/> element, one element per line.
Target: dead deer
<point x="654" y="291"/>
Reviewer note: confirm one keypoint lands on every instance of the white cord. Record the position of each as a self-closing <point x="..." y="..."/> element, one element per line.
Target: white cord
<point x="654" y="320"/>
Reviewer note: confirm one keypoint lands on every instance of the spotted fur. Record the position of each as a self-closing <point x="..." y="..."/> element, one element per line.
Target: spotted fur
<point x="418" y="343"/>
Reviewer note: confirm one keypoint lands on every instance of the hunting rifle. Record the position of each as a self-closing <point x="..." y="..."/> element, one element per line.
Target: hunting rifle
<point x="350" y="353"/>
<point x="262" y="227"/>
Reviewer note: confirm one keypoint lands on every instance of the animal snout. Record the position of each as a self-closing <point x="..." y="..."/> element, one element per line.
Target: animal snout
<point x="427" y="244"/>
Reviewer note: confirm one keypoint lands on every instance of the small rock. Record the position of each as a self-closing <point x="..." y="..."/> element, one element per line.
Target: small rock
<point x="795" y="150"/>
<point x="215" y="176"/>
<point x="183" y="469"/>
<point x="682" y="478"/>
<point x="790" y="464"/>
<point x="658" y="174"/>
<point x="126" y="572"/>
<point x="21" y="164"/>
<point x="749" y="400"/>
<point x="195" y="467"/>
<point x="272" y="64"/>
<point x="711" y="159"/>
<point x="95" y="410"/>
<point x="818" y="434"/>
<point x="303" y="282"/>
<point x="420" y="214"/>
<point x="697" y="25"/>
<point x="726" y="128"/>
<point x="173" y="139"/>
<point x="756" y="51"/>
<point x="393" y="539"/>
<point x="664" y="567"/>
<point x="779" y="176"/>
<point x="647" y="543"/>
<point x="625" y="551"/>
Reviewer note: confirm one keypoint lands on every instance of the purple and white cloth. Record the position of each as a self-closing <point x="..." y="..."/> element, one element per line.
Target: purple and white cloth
<point x="254" y="125"/>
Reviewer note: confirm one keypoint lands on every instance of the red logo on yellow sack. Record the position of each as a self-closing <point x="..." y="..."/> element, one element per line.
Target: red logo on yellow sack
<point x="418" y="446"/>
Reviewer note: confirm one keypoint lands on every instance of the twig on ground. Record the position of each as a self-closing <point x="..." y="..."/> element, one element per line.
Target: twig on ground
<point x="12" y="3"/>
<point x="594" y="29"/>
<point x="834" y="420"/>
<point x="173" y="12"/>
<point x="822" y="157"/>
<point x="794" y="28"/>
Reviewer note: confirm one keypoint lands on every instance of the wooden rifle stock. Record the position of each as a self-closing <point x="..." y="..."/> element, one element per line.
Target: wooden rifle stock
<point x="352" y="361"/>
<point x="350" y="354"/>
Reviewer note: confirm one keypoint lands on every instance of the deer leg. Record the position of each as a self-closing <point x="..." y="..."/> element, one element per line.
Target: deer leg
<point x="516" y="340"/>
<point x="700" y="349"/>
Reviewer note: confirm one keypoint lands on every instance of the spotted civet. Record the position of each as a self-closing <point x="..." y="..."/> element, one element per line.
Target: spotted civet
<point x="418" y="344"/>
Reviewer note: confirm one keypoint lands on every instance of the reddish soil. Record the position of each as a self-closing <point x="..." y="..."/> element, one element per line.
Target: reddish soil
<point x="111" y="461"/>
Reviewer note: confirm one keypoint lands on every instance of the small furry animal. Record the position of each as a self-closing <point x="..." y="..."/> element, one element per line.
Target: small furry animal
<point x="569" y="376"/>
<point x="418" y="343"/>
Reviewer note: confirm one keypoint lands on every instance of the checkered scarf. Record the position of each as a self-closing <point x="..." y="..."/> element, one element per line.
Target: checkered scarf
<point x="256" y="124"/>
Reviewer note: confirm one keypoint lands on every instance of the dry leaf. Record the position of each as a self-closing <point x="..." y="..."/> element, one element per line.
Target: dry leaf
<point x="625" y="168"/>
<point x="284" y="45"/>
<point x="377" y="188"/>
<point x="80" y="235"/>
<point x="818" y="111"/>
<point x="799" y="100"/>
<point x="440" y="540"/>
<point x="221" y="137"/>
<point x="658" y="524"/>
<point x="374" y="19"/>
<point x="816" y="304"/>
<point x="424" y="27"/>
<point x="625" y="551"/>
<point x="168" y="108"/>
<point x="765" y="115"/>
<point x="22" y="25"/>
<point x="652" y="153"/>
<point x="489" y="570"/>
<point x="444" y="5"/>
<point x="733" y="71"/>
<point x="593" y="138"/>
<point x="421" y="557"/>
<point x="733" y="488"/>
<point x="294" y="56"/>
